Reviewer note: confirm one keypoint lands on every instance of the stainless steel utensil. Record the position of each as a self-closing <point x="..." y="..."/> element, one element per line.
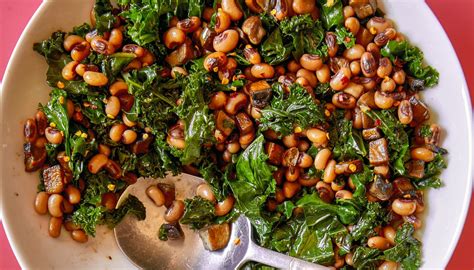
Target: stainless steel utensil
<point x="139" y="241"/>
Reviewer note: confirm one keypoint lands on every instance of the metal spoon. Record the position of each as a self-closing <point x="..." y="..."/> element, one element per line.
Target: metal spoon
<point x="139" y="241"/>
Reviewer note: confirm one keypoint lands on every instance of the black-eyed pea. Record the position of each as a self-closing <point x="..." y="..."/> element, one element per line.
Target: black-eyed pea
<point x="404" y="207"/>
<point x="178" y="70"/>
<point x="97" y="162"/>
<point x="95" y="78"/>
<point x="330" y="171"/>
<point x="112" y="108"/>
<point x="69" y="70"/>
<point x="341" y="79"/>
<point x="156" y="195"/>
<point x="290" y="189"/>
<point x="378" y="242"/>
<point x="352" y="24"/>
<point x="308" y="75"/>
<point x="116" y="131"/>
<point x="317" y="136"/>
<point x="382" y="100"/>
<point x="224" y="207"/>
<point x="81" y="51"/>
<point x="79" y="236"/>
<point x="354" y="53"/>
<point x="53" y="135"/>
<point x="385" y="67"/>
<point x="73" y="194"/>
<point x="109" y="200"/>
<point x="54" y="227"/>
<point x="129" y="136"/>
<point x="422" y="153"/>
<point x="405" y="112"/>
<point x="388" y="265"/>
<point x="41" y="203"/>
<point x="344" y="100"/>
<point x="388" y="85"/>
<point x="205" y="191"/>
<point x="389" y="233"/>
<point x="232" y="8"/>
<point x="173" y="37"/>
<point x="293" y="66"/>
<point x="322" y="158"/>
<point x="323" y="74"/>
<point x="72" y="40"/>
<point x="55" y="202"/>
<point x="303" y="6"/>
<point x="128" y="122"/>
<point x="311" y="62"/>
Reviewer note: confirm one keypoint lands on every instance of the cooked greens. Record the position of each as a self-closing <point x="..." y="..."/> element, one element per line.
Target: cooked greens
<point x="286" y="125"/>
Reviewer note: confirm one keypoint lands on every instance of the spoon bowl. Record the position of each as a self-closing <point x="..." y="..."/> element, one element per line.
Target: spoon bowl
<point x="139" y="240"/>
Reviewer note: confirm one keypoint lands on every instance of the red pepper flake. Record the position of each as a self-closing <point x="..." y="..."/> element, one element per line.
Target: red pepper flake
<point x="377" y="122"/>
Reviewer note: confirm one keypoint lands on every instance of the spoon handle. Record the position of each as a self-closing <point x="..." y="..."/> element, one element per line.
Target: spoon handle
<point x="269" y="257"/>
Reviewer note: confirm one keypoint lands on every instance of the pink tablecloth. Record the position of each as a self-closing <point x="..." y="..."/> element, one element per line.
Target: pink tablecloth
<point x="456" y="16"/>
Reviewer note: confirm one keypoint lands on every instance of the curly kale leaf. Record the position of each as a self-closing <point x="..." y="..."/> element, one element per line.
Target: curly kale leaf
<point x="297" y="109"/>
<point x="413" y="58"/>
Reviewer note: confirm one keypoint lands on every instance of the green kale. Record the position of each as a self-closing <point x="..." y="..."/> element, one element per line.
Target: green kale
<point x="311" y="203"/>
<point x="371" y="218"/>
<point x="273" y="50"/>
<point x="323" y="91"/>
<point x="413" y="58"/>
<point x="305" y="34"/>
<point x="131" y="205"/>
<point x="407" y="249"/>
<point x="113" y="64"/>
<point x="56" y="112"/>
<point x="81" y="30"/>
<point x="195" y="113"/>
<point x="344" y="37"/>
<point x="198" y="213"/>
<point x="104" y="19"/>
<point x="432" y="172"/>
<point x="366" y="258"/>
<point x="297" y="109"/>
<point x="253" y="185"/>
<point x="332" y="14"/>
<point x="51" y="48"/>
<point x="90" y="212"/>
<point x="348" y="143"/>
<point x="360" y="180"/>
<point x="396" y="136"/>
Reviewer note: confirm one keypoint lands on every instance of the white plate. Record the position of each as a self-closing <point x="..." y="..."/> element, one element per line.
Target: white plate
<point x="25" y="86"/>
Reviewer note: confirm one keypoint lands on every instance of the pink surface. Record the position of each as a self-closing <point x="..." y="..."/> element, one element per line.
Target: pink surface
<point x="456" y="16"/>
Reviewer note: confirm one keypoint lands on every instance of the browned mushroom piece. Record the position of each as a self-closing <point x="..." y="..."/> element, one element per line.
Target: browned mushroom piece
<point x="370" y="134"/>
<point x="290" y="157"/>
<point x="53" y="179"/>
<point x="215" y="237"/>
<point x="142" y="144"/>
<point x="274" y="152"/>
<point x="402" y="185"/>
<point x="35" y="157"/>
<point x="364" y="8"/>
<point x="169" y="192"/>
<point x="170" y="231"/>
<point x="260" y="94"/>
<point x="244" y="123"/>
<point x="381" y="189"/>
<point x="114" y="169"/>
<point x="378" y="152"/>
<point x="416" y="168"/>
<point x="224" y="123"/>
<point x="420" y="111"/>
<point x="349" y="167"/>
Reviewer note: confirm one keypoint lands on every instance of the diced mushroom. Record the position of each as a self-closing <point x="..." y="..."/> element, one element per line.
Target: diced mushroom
<point x="224" y="123"/>
<point x="53" y="179"/>
<point x="142" y="145"/>
<point x="420" y="111"/>
<point x="370" y="134"/>
<point x="381" y="189"/>
<point x="290" y="157"/>
<point x="364" y="8"/>
<point x="34" y="157"/>
<point x="244" y="123"/>
<point x="260" y="94"/>
<point x="402" y="185"/>
<point x="170" y="231"/>
<point x="169" y="192"/>
<point x="349" y="167"/>
<point x="416" y="168"/>
<point x="274" y="152"/>
<point x="215" y="237"/>
<point x="378" y="152"/>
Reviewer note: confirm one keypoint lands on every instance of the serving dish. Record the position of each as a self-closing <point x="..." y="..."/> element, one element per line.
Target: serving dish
<point x="24" y="86"/>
